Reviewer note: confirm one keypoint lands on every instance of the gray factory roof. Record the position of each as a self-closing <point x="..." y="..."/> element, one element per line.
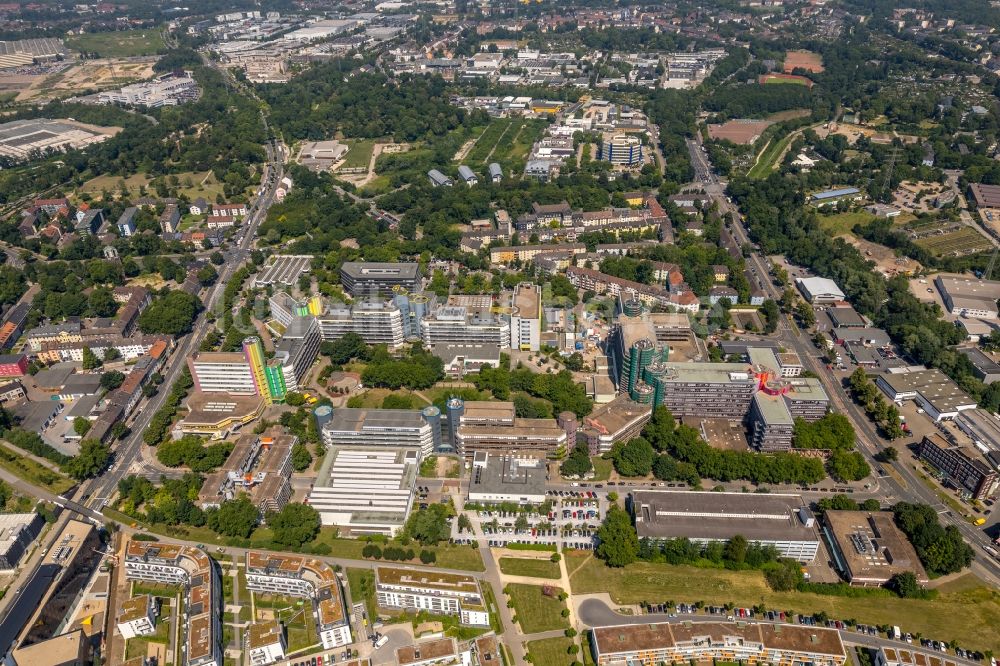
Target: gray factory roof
<point x="709" y="515"/>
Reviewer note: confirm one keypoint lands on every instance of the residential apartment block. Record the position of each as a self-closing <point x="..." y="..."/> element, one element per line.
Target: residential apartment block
<point x="304" y="578"/>
<point x="193" y="570"/>
<point x="437" y="592"/>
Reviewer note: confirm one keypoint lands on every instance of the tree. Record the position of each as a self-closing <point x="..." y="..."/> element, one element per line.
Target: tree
<point x="236" y="517"/>
<point x="112" y="380"/>
<point x="941" y="549"/>
<point x="577" y="463"/>
<point x="172" y="314"/>
<point x="207" y="275"/>
<point x="90" y="360"/>
<point x="905" y="585"/>
<point x="81" y="425"/>
<point x="295" y="525"/>
<point x="833" y="431"/>
<point x="294" y="399"/>
<point x="429" y="526"/>
<point x="633" y="458"/>
<point x="618" y="544"/>
<point x="112" y="354"/>
<point x="101" y="303"/>
<point x="217" y="258"/>
<point x="888" y="454"/>
<point x="848" y="466"/>
<point x="91" y="460"/>
<point x="301" y="458"/>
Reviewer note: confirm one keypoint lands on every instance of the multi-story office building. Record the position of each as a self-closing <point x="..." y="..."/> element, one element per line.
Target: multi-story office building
<point x="195" y="571"/>
<point x="702" y="642"/>
<point x="526" y="317"/>
<point x="366" y="491"/>
<point x="296" y="351"/>
<point x="963" y="464"/>
<point x="381" y="427"/>
<point x="620" y="420"/>
<point x="438" y="592"/>
<point x="623" y="149"/>
<point x="304" y="578"/>
<point x="378" y="322"/>
<point x="361" y="279"/>
<point x="868" y="549"/>
<point x="17" y="532"/>
<point x="454" y="324"/>
<point x="492" y="427"/>
<point x="260" y="465"/>
<point x="249" y="372"/>
<point x="137" y="616"/>
<point x="782" y="521"/>
<point x="284" y="308"/>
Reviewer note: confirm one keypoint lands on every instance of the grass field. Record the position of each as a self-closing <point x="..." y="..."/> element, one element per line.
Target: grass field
<point x="362" y="586"/>
<point x="535" y="611"/>
<point x="788" y="115"/>
<point x="519" y="566"/>
<point x="551" y="652"/>
<point x="359" y="154"/>
<point x="842" y="223"/>
<point x="296" y="616"/>
<point x="117" y="44"/>
<point x="34" y="472"/>
<point x="487" y="141"/>
<point x="767" y="160"/>
<point x="194" y="184"/>
<point x="602" y="468"/>
<point x="513" y="151"/>
<point x="964" y="611"/>
<point x="373" y="398"/>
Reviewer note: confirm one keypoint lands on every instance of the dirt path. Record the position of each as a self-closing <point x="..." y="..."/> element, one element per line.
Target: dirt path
<point x="464" y="150"/>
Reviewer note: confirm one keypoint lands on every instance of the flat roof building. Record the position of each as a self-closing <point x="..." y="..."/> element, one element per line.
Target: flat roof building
<point x="265" y="642"/>
<point x="983" y="367"/>
<point x="381" y="427"/>
<point x="500" y="478"/>
<point x="17" y="532"/>
<point x="819" y="290"/>
<point x="366" y="491"/>
<point x="965" y="466"/>
<point x="706" y="642"/>
<point x="868" y="549"/>
<point x="433" y="591"/>
<point x="934" y="391"/>
<point x="782" y="521"/>
<point x="620" y="420"/>
<point x="969" y="297"/>
<point x="526" y="317"/>
<point x="368" y="278"/>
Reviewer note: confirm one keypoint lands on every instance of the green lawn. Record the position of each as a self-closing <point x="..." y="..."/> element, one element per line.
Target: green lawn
<point x="602" y="468"/>
<point x="120" y="44"/>
<point x="842" y="223"/>
<point x="965" y="610"/>
<point x="768" y="158"/>
<point x="296" y="615"/>
<point x="551" y="652"/>
<point x="361" y="583"/>
<point x="536" y="612"/>
<point x="359" y="153"/>
<point x="519" y="566"/>
<point x="34" y="472"/>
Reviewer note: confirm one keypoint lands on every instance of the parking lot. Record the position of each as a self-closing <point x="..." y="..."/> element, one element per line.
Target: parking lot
<point x="570" y="520"/>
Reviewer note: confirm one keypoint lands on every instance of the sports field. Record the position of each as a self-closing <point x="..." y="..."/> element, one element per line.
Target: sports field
<point x="120" y="44"/>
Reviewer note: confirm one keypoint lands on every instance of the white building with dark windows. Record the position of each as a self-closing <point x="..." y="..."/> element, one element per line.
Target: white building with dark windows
<point x="437" y="592"/>
<point x="779" y="520"/>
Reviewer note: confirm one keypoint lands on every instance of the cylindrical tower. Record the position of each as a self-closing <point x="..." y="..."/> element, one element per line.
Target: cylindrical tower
<point x="632" y="307"/>
<point x="323" y="415"/>
<point x="455" y="408"/>
<point x="432" y="415"/>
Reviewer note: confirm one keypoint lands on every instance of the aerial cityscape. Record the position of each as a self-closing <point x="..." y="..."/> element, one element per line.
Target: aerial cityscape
<point x="500" y="332"/>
